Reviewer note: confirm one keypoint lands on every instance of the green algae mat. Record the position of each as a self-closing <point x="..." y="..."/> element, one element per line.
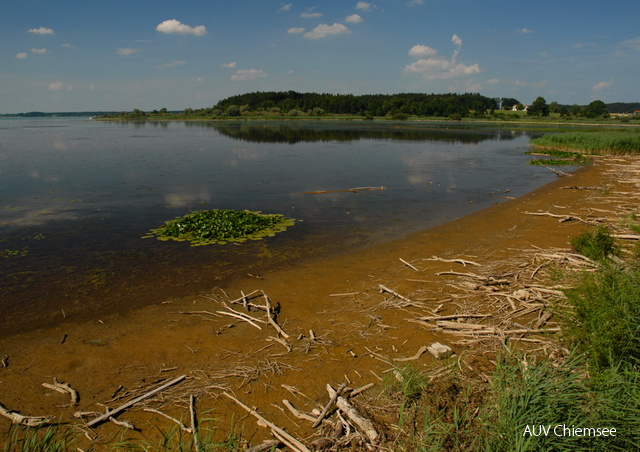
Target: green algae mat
<point x="208" y="227"/>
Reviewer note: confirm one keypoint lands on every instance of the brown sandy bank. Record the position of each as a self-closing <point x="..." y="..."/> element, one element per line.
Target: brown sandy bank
<point x="340" y="327"/>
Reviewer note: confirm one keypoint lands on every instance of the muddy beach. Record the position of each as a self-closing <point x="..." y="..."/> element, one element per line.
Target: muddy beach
<point x="335" y="322"/>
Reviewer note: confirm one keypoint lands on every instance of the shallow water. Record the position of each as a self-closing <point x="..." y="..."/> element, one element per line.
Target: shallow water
<point x="76" y="196"/>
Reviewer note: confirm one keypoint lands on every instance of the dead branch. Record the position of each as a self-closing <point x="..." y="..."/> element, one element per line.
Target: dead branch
<point x="328" y="406"/>
<point x="240" y="317"/>
<point x="183" y="427"/>
<point x="297" y="413"/>
<point x="352" y="413"/>
<point x="29" y="421"/>
<point x="277" y="431"/>
<point x="352" y="190"/>
<point x="270" y="318"/>
<point x="194" y="422"/>
<point x="408" y="264"/>
<point x="414" y="357"/>
<point x="397" y="295"/>
<point x="456" y="261"/>
<point x="130" y="403"/>
<point x="63" y="388"/>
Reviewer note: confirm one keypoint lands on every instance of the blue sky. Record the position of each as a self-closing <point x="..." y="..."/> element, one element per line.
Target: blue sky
<point x="71" y="55"/>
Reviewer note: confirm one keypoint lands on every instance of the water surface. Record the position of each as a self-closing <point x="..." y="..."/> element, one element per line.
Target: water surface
<point x="76" y="196"/>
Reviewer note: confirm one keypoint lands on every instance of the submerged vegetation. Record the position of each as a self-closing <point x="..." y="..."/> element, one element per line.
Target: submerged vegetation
<point x="221" y="226"/>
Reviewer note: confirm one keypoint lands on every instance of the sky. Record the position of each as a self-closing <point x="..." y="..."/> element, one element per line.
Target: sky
<point x="71" y="55"/>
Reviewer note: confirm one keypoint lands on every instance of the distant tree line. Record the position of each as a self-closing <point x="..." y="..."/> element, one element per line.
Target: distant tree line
<point x="394" y="106"/>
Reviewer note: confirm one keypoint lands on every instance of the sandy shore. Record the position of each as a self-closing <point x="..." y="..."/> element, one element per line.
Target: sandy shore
<point x="340" y="327"/>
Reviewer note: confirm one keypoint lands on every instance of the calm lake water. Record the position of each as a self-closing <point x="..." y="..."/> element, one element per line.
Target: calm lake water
<point x="76" y="197"/>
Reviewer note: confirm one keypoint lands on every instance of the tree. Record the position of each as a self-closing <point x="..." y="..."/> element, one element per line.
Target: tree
<point x="538" y="108"/>
<point x="509" y="102"/>
<point x="597" y="109"/>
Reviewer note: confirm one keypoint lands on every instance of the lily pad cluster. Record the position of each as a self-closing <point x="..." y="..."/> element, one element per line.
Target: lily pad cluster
<point x="207" y="227"/>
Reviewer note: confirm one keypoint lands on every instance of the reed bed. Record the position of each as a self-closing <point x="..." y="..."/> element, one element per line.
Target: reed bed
<point x="612" y="142"/>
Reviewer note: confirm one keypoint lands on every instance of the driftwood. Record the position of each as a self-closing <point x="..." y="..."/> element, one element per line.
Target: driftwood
<point x="352" y="190"/>
<point x="408" y="264"/>
<point x="270" y="318"/>
<point x="329" y="405"/>
<point x="130" y="403"/>
<point x="456" y="261"/>
<point x="352" y="413"/>
<point x="194" y="422"/>
<point x="414" y="357"/>
<point x="439" y="350"/>
<point x="183" y="427"/>
<point x="297" y="413"/>
<point x="397" y="295"/>
<point x="277" y="431"/>
<point x="29" y="421"/>
<point x="63" y="388"/>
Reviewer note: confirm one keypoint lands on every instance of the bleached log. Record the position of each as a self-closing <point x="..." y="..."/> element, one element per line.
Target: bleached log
<point x="439" y="350"/>
<point x="352" y="413"/>
<point x="130" y="403"/>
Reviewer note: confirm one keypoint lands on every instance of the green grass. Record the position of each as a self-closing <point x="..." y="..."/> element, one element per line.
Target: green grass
<point x="596" y="244"/>
<point x="221" y="226"/>
<point x="617" y="142"/>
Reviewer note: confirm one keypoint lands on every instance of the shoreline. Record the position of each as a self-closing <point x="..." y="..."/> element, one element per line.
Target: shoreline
<point x="334" y="299"/>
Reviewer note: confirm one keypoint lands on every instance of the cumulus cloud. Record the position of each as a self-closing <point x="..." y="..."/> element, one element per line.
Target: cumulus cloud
<point x="39" y="51"/>
<point x="433" y="66"/>
<point x="422" y="51"/>
<point x="55" y="86"/>
<point x="311" y="15"/>
<point x="172" y="64"/>
<point x="324" y="30"/>
<point x="21" y="55"/>
<point x="127" y="51"/>
<point x="493" y="81"/>
<point x="364" y="6"/>
<point x="295" y="30"/>
<point x="602" y="85"/>
<point x="354" y="19"/>
<point x="248" y="74"/>
<point x="228" y="65"/>
<point x="415" y="2"/>
<point x="41" y="31"/>
<point x="286" y="7"/>
<point x="174" y="26"/>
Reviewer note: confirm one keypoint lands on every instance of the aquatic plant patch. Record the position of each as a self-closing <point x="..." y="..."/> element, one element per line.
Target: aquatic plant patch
<point x="207" y="227"/>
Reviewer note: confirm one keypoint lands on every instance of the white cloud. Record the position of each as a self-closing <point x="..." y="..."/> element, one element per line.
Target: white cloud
<point x="524" y="31"/>
<point x="538" y="85"/>
<point x="311" y="15"/>
<point x="55" y="86"/>
<point x="354" y="19"/>
<point x="364" y="6"/>
<point x="41" y="31"/>
<point x="295" y="30"/>
<point x="633" y="44"/>
<point x="602" y="85"/>
<point x="286" y="7"/>
<point x="324" y="30"/>
<point x="432" y="66"/>
<point x="39" y="51"/>
<point x="21" y="55"/>
<point x="493" y="81"/>
<point x="127" y="51"/>
<point x="174" y="26"/>
<point x="248" y="74"/>
<point x="415" y="2"/>
<point x="421" y="51"/>
<point x="229" y="65"/>
<point x="172" y="64"/>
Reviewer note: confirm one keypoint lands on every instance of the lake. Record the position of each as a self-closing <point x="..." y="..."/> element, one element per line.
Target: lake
<point x="77" y="196"/>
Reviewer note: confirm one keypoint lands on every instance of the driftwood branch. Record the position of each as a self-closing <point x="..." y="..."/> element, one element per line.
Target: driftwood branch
<point x="29" y="421"/>
<point x="63" y="388"/>
<point x="270" y="319"/>
<point x="352" y="413"/>
<point x="130" y="403"/>
<point x="281" y="434"/>
<point x="328" y="406"/>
